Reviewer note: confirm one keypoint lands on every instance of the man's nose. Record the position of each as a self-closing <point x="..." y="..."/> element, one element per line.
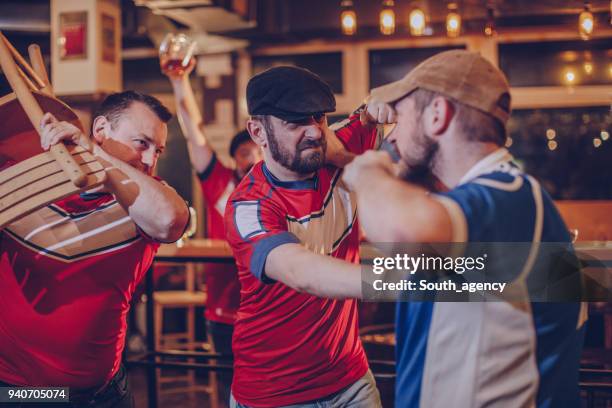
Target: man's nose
<point x="148" y="157"/>
<point x="313" y="131"/>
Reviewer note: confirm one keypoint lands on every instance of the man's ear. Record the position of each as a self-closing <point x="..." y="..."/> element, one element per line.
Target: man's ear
<point x="257" y="131"/>
<point x="438" y="115"/>
<point x="98" y="128"/>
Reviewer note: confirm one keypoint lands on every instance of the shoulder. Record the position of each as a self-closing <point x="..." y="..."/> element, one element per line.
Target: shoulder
<point x="253" y="186"/>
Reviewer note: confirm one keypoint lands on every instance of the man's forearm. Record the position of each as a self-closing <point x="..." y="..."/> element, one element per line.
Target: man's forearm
<point x="392" y="210"/>
<point x="318" y="275"/>
<point x="155" y="207"/>
<point x="191" y="123"/>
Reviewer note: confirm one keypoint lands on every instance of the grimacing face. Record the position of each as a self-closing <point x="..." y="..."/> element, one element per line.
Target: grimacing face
<point x="246" y="155"/>
<point x="416" y="149"/>
<point x="137" y="137"/>
<point x="299" y="147"/>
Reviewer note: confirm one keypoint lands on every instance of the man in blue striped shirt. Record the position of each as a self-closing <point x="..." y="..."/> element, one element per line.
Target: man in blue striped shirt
<point x="451" y="116"/>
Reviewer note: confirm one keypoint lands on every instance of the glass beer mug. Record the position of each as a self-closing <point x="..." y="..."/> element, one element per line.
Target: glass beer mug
<point x="175" y="53"/>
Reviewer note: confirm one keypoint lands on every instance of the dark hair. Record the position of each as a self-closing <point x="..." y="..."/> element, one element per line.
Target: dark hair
<point x="115" y="104"/>
<point x="475" y="124"/>
<point x="240" y="138"/>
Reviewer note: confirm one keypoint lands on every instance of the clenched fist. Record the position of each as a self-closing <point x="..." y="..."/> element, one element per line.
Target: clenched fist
<point x="378" y="112"/>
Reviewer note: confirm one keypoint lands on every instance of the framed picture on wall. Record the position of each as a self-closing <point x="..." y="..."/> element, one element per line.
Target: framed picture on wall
<point x="72" y="39"/>
<point x="108" y="39"/>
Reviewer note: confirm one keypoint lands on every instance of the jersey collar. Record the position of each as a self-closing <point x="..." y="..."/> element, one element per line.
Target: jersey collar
<point x="308" y="184"/>
<point x="487" y="164"/>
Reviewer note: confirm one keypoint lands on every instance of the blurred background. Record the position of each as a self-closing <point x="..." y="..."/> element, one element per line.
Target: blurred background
<point x="557" y="56"/>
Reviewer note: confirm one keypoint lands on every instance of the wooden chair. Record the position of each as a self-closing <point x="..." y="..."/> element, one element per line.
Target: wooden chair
<point x="31" y="178"/>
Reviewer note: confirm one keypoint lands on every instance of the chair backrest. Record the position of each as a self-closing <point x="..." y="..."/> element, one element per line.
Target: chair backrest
<point x="31" y="178"/>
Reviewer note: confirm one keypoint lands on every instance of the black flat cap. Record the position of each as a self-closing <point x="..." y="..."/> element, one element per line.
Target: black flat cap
<point x="289" y="93"/>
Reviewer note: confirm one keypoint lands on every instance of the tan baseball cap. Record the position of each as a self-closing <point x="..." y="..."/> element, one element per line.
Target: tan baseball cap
<point x="462" y="75"/>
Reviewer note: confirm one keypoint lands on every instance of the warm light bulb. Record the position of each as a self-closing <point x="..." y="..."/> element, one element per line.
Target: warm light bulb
<point x="596" y="142"/>
<point x="585" y="23"/>
<point x="489" y="29"/>
<point x="588" y="68"/>
<point x="387" y="21"/>
<point x="552" y="145"/>
<point x="569" y="77"/>
<point x="417" y="22"/>
<point x="453" y="21"/>
<point x="605" y="135"/>
<point x="349" y="22"/>
<point x="551" y="134"/>
<point x="453" y="24"/>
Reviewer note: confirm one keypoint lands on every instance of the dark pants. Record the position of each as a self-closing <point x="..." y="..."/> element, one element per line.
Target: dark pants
<point x="221" y="335"/>
<point x="116" y="394"/>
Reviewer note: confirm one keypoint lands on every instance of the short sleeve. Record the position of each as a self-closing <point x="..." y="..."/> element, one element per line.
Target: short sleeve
<point x="254" y="228"/>
<point x="215" y="179"/>
<point x="356" y="137"/>
<point x="470" y="209"/>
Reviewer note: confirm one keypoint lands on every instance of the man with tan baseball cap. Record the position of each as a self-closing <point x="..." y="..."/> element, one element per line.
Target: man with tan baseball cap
<point x="451" y="113"/>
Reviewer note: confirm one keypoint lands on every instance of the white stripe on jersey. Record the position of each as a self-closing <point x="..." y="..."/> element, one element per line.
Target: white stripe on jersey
<point x="247" y="219"/>
<point x="537" y="228"/>
<point x="514" y="185"/>
<point x="88" y="234"/>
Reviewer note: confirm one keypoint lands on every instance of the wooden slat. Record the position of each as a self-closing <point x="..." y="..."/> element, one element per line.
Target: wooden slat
<point x="35" y="114"/>
<point x="46" y="197"/>
<point x="32" y="189"/>
<point x="80" y="155"/>
<point x="39" y="173"/>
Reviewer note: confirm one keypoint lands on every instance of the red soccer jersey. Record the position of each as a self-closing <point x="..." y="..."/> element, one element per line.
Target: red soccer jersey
<point x="67" y="274"/>
<point x="223" y="287"/>
<point x="291" y="347"/>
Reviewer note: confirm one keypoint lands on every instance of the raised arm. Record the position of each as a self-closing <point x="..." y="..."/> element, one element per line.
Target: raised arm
<point x="393" y="210"/>
<point x="155" y="207"/>
<point x="357" y="133"/>
<point x="190" y="120"/>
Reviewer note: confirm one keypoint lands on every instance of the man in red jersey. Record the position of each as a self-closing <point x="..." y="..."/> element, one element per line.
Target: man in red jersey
<point x="289" y="217"/>
<point x="69" y="270"/>
<point x="217" y="182"/>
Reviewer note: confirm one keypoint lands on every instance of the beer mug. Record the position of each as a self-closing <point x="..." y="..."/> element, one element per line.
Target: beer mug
<point x="175" y="53"/>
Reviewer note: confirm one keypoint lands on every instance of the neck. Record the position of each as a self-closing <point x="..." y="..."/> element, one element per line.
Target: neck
<point x="454" y="160"/>
<point x="284" y="174"/>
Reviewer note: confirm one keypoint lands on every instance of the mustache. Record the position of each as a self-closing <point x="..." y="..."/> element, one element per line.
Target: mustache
<point x="310" y="143"/>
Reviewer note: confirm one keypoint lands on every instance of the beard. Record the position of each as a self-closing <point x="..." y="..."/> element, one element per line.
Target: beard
<point x="299" y="162"/>
<point x="420" y="161"/>
<point x="421" y="153"/>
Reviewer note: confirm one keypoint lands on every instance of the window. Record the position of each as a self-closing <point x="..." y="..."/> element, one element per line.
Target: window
<point x="568" y="150"/>
<point x="327" y="65"/>
<point x="392" y="64"/>
<point x="557" y="63"/>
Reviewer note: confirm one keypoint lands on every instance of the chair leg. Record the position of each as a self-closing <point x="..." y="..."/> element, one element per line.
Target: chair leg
<point x="159" y="322"/>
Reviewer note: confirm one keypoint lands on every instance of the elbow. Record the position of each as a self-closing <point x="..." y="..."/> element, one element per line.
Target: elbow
<point x="173" y="224"/>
